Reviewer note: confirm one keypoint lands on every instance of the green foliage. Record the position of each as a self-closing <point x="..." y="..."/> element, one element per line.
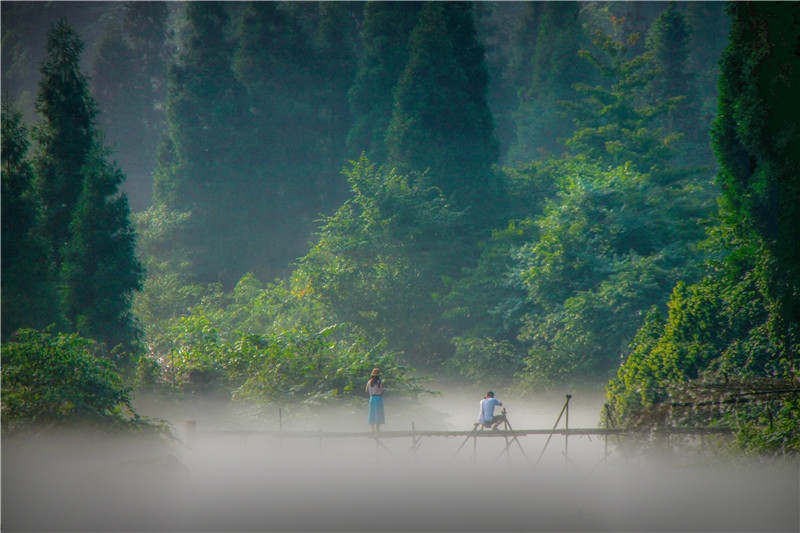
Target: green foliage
<point x="56" y="379"/>
<point x="757" y="140"/>
<point x="615" y="123"/>
<point x="771" y="430"/>
<point x="383" y="256"/>
<point x="28" y="281"/>
<point x="66" y="134"/>
<point x="484" y="360"/>
<point x="100" y="272"/>
<point x="442" y="123"/>
<point x="243" y="344"/>
<point x="609" y="248"/>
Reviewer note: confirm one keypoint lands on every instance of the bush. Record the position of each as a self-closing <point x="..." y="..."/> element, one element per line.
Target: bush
<point x="55" y="379"/>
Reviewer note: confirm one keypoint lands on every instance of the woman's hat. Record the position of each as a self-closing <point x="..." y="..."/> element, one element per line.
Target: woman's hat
<point x="376" y="372"/>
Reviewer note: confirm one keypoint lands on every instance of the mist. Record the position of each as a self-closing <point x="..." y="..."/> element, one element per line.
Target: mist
<point x="84" y="482"/>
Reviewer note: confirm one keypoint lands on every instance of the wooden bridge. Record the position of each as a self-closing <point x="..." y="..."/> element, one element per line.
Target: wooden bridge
<point x="509" y="435"/>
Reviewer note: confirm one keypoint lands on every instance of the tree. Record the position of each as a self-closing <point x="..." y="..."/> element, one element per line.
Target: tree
<point x="381" y="259"/>
<point x="66" y="134"/>
<point x="95" y="258"/>
<point x="385" y="33"/>
<point x="129" y="82"/>
<point x="668" y="41"/>
<point x="541" y="125"/>
<point x="200" y="167"/>
<point x="273" y="61"/>
<point x="609" y="248"/>
<point x="442" y="123"/>
<point x="100" y="272"/>
<point x="334" y="69"/>
<point x="28" y="281"/>
<point x="615" y="123"/>
<point x="732" y="337"/>
<point x="757" y="141"/>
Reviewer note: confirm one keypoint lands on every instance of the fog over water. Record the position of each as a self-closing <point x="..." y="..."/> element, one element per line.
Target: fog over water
<point x="263" y="483"/>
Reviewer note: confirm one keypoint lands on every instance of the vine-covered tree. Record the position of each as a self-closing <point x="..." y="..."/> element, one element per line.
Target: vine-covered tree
<point x="757" y="140"/>
<point x="733" y="336"/>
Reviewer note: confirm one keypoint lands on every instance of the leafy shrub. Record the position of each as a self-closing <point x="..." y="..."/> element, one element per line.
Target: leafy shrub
<point x="262" y="344"/>
<point x="55" y="379"/>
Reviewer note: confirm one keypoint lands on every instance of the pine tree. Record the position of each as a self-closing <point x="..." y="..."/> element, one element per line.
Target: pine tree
<point x="555" y="66"/>
<point x="296" y="63"/>
<point x="66" y="133"/>
<point x="757" y="140"/>
<point x="95" y="257"/>
<point x="129" y="82"/>
<point x="28" y="282"/>
<point x="615" y="122"/>
<point x="442" y="123"/>
<point x="200" y="170"/>
<point x="335" y="68"/>
<point x="272" y="61"/>
<point x="100" y="272"/>
<point x="667" y="41"/>
<point x="385" y="34"/>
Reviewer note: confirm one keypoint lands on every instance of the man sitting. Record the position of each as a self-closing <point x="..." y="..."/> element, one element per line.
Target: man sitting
<point x="487" y="417"/>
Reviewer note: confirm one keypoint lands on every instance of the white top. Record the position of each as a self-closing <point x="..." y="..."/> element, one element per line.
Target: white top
<point x="375" y="388"/>
<point x="487" y="409"/>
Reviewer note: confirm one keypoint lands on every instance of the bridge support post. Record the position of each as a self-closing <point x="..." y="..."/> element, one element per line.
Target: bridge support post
<point x="566" y="434"/>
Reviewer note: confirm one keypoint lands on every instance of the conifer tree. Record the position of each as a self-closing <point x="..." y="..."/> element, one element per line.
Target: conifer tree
<point x="442" y="123"/>
<point x="29" y="297"/>
<point x="100" y="272"/>
<point x="272" y="62"/>
<point x="555" y="66"/>
<point x="129" y="82"/>
<point x="200" y="167"/>
<point x="296" y="63"/>
<point x="667" y="41"/>
<point x="66" y="133"/>
<point x="87" y="217"/>
<point x="335" y="68"/>
<point x="386" y="30"/>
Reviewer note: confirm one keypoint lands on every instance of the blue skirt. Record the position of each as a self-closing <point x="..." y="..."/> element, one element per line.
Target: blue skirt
<point x="376" y="415"/>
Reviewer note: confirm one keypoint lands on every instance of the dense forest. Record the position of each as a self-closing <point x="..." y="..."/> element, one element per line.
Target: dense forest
<point x="264" y="200"/>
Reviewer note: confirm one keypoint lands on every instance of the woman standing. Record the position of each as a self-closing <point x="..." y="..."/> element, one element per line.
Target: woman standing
<point x="375" y="391"/>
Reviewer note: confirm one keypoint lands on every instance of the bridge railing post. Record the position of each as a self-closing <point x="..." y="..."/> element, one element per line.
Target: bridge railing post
<point x="566" y="434"/>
